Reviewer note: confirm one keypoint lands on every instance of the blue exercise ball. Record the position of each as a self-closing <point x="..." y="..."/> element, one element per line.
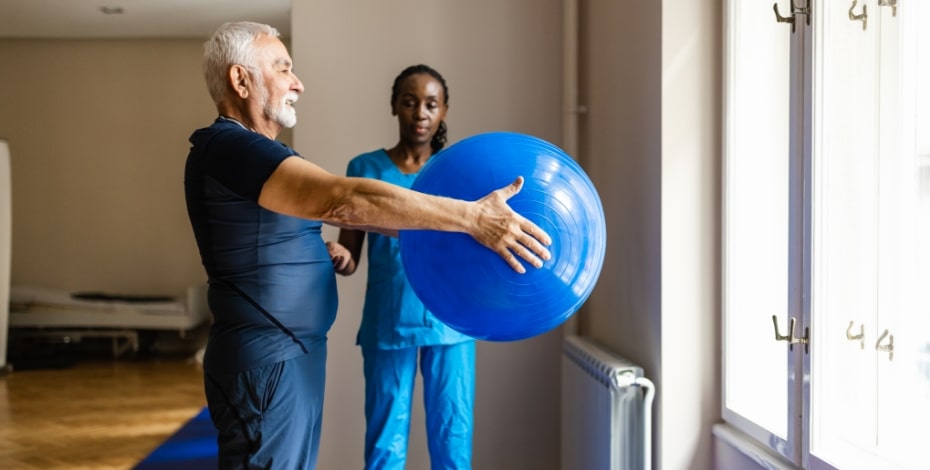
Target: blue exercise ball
<point x="468" y="286"/>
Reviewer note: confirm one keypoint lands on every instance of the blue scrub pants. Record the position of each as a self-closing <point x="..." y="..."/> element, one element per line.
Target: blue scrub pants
<point x="270" y="417"/>
<point x="448" y="398"/>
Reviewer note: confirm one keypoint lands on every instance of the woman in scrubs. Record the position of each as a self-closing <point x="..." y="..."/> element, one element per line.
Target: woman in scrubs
<point x="397" y="332"/>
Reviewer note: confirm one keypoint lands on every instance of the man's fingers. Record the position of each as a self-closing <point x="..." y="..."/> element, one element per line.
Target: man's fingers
<point x="528" y="256"/>
<point x="526" y="247"/>
<point x="538" y="234"/>
<point x="538" y="250"/>
<point x="536" y="239"/>
<point x="512" y="261"/>
<point x="521" y="238"/>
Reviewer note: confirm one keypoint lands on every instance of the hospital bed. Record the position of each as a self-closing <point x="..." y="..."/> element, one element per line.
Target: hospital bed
<point x="38" y="311"/>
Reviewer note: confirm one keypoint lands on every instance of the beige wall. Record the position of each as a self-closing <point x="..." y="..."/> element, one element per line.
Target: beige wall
<point x="502" y="61"/>
<point x="98" y="134"/>
<point x="98" y="131"/>
<point x="98" y="137"/>
<point x="621" y="148"/>
<point x="650" y="77"/>
<point x="691" y="149"/>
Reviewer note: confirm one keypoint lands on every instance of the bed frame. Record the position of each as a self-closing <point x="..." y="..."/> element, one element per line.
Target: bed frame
<point x="56" y="314"/>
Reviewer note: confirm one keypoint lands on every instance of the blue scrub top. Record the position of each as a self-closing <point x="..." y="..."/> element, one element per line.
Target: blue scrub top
<point x="393" y="316"/>
<point x="272" y="286"/>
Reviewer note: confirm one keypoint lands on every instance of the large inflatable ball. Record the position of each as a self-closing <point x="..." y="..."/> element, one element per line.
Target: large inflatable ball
<point x="468" y="286"/>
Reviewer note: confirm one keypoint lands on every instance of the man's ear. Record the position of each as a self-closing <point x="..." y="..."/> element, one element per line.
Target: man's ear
<point x="240" y="80"/>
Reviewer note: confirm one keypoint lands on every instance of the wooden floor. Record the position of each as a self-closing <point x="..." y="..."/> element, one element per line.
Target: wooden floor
<point x="99" y="414"/>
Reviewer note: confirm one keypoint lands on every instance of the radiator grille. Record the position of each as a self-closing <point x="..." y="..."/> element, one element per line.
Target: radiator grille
<point x="606" y="409"/>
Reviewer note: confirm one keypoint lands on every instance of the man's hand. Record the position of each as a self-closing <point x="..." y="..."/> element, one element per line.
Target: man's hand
<point x="508" y="233"/>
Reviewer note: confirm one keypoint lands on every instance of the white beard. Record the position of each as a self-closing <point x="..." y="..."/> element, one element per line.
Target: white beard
<point x="281" y="112"/>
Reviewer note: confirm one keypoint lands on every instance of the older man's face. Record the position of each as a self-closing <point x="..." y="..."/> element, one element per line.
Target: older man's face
<point x="280" y="86"/>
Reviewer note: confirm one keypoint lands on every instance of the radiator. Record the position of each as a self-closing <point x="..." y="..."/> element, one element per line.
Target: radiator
<point x="606" y="409"/>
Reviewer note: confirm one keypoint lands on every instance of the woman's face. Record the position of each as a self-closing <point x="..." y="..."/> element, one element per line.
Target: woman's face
<point x="419" y="107"/>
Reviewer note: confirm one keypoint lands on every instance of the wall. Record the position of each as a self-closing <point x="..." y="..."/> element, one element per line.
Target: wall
<point x="501" y="61"/>
<point x="691" y="149"/>
<point x="98" y="134"/>
<point x="650" y="80"/>
<point x="621" y="148"/>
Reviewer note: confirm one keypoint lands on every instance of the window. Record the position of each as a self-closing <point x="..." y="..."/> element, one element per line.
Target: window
<point x="827" y="229"/>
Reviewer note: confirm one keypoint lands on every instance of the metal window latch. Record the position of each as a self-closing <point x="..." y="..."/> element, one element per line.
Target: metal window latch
<point x="863" y="17"/>
<point x="890" y="3"/>
<point x="790" y="338"/>
<point x="794" y="10"/>
<point x="889" y="348"/>
<point x="860" y="337"/>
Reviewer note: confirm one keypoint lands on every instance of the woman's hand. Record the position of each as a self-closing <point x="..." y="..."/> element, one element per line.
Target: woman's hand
<point x="342" y="259"/>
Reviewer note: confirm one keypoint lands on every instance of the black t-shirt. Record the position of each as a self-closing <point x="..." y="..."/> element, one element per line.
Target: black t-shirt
<point x="272" y="284"/>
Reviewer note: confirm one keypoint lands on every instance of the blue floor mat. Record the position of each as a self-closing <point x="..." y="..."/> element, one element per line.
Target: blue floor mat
<point x="191" y="447"/>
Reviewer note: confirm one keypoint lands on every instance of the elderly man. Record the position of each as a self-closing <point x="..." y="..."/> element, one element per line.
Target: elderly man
<point x="256" y="207"/>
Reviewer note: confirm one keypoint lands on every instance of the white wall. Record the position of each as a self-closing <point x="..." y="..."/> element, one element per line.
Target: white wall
<point x="502" y="63"/>
<point x="691" y="136"/>
<point x="650" y="140"/>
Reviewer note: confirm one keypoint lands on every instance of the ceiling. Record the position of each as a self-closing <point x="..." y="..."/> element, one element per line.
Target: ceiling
<point x="68" y="19"/>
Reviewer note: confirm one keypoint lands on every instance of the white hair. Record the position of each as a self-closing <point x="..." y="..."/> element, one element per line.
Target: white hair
<point x="232" y="44"/>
